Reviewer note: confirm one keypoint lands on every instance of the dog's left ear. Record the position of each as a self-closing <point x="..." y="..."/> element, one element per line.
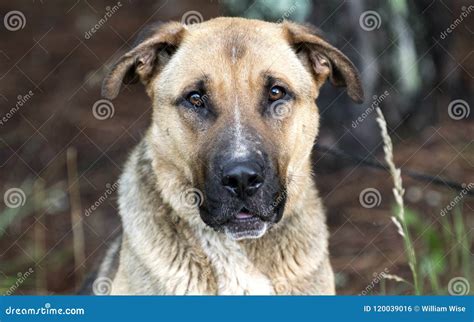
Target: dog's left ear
<point x="155" y="47"/>
<point x="325" y="60"/>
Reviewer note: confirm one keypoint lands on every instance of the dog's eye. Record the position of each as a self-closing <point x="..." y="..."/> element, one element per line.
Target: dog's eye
<point x="195" y="99"/>
<point x="276" y="93"/>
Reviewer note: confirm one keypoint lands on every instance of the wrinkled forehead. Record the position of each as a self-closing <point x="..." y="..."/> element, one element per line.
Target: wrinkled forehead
<point x="226" y="54"/>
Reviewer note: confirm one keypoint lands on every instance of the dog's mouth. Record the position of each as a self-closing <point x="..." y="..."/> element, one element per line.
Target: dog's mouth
<point x="243" y="215"/>
<point x="249" y="219"/>
<point x="245" y="224"/>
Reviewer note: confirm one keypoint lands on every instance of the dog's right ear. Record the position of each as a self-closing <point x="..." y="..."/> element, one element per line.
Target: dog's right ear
<point x="145" y="59"/>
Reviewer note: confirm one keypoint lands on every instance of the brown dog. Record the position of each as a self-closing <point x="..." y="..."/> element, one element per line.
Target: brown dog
<point x="218" y="197"/>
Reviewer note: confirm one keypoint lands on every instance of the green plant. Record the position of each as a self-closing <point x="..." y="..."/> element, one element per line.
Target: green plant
<point x="444" y="249"/>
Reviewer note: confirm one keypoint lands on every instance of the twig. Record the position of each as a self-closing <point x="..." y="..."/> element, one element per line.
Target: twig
<point x="367" y="161"/>
<point x="76" y="218"/>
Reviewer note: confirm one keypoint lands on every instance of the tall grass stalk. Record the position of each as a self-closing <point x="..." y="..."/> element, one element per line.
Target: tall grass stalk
<point x="398" y="192"/>
<point x="463" y="240"/>
<point x="76" y="217"/>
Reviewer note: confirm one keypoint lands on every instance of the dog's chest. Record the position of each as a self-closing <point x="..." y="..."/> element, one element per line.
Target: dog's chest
<point x="234" y="272"/>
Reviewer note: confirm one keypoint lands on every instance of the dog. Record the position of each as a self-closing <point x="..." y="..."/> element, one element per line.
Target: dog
<point x="218" y="198"/>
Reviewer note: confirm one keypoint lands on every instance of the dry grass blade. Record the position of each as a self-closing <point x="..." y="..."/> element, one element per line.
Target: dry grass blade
<point x="398" y="192"/>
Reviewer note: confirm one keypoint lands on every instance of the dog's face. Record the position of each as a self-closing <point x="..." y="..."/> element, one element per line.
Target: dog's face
<point x="234" y="112"/>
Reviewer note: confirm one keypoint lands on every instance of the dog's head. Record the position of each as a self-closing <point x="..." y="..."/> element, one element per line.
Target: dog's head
<point x="234" y="113"/>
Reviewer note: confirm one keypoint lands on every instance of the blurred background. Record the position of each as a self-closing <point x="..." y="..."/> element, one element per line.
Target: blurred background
<point x="60" y="157"/>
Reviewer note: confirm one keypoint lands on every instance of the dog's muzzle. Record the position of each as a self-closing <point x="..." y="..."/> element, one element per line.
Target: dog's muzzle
<point x="243" y="195"/>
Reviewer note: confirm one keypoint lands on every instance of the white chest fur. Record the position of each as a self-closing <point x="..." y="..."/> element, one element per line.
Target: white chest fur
<point x="235" y="274"/>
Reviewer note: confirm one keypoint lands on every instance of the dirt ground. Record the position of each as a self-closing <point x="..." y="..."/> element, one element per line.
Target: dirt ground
<point x="52" y="58"/>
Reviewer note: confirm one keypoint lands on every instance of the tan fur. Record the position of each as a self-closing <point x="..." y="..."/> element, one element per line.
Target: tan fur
<point x="167" y="248"/>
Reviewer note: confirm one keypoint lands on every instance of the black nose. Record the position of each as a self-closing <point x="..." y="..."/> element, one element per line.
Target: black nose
<point x="242" y="179"/>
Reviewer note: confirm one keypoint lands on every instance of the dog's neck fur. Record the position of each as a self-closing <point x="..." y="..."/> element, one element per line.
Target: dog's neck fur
<point x="183" y="260"/>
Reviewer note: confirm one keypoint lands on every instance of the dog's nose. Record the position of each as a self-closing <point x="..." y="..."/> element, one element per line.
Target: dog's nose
<point x="242" y="179"/>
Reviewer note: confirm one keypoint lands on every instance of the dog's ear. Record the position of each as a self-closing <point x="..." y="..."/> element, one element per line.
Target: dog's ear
<point x="325" y="60"/>
<point x="154" y="47"/>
